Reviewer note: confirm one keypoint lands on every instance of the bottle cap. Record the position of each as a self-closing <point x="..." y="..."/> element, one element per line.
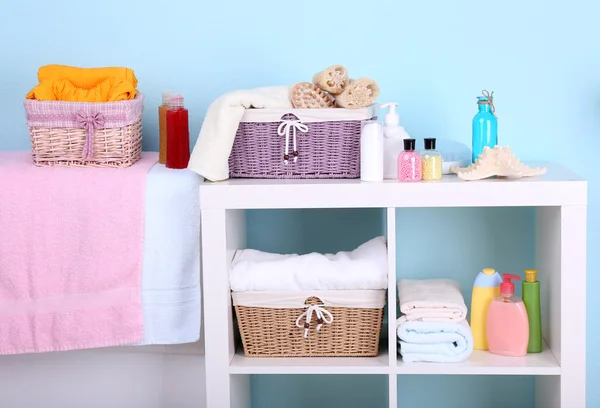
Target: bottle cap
<point x="488" y="271"/>
<point x="507" y="288"/>
<point x="391" y="118"/>
<point x="166" y="96"/>
<point x="176" y="101"/>
<point x="429" y="143"/>
<point x="530" y="275"/>
<point x="409" y="144"/>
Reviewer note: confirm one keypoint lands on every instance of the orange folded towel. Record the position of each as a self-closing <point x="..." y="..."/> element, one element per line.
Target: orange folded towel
<point x="73" y="84"/>
<point x="109" y="90"/>
<point x="86" y="78"/>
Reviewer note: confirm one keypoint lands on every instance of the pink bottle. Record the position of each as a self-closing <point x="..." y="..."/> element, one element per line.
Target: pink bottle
<point x="507" y="322"/>
<point x="409" y="162"/>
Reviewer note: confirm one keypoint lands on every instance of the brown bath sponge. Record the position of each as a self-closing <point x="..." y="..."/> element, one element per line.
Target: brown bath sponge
<point x="308" y="96"/>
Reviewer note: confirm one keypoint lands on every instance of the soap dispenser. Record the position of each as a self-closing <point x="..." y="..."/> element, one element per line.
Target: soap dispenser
<point x="393" y="136"/>
<point x="508" y="322"/>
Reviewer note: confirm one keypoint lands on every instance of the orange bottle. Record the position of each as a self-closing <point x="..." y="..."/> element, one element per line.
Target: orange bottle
<point x="162" y="126"/>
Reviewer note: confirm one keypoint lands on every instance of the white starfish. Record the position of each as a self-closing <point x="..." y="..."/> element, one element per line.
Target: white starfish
<point x="499" y="161"/>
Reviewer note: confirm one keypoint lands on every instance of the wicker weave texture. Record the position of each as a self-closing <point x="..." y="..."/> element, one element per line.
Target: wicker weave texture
<point x="271" y="332"/>
<point x="113" y="147"/>
<point x="327" y="150"/>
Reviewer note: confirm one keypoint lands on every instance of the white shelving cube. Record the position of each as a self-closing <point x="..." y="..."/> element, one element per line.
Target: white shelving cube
<point x="560" y="201"/>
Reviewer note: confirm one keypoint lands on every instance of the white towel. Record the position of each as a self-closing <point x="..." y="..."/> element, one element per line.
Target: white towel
<point x="365" y="268"/>
<point x="431" y="300"/>
<point x="171" y="257"/>
<point x="436" y="342"/>
<point x="210" y="156"/>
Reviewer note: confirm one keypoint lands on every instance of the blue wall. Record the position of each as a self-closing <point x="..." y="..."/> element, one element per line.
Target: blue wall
<point x="434" y="57"/>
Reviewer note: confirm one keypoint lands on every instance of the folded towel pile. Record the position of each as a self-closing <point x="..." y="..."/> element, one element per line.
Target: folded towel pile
<point x="433" y="327"/>
<point x="365" y="268"/>
<point x="73" y="84"/>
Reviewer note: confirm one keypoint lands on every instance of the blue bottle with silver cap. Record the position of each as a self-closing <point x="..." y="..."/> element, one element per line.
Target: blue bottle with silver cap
<point x="485" y="125"/>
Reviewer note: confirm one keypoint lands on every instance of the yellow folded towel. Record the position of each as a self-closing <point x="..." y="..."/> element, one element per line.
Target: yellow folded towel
<point x="109" y="90"/>
<point x="86" y="78"/>
<point x="74" y="84"/>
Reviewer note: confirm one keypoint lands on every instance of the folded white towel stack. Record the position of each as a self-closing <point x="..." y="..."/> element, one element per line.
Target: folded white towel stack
<point x="433" y="327"/>
<point x="431" y="300"/>
<point x="365" y="268"/>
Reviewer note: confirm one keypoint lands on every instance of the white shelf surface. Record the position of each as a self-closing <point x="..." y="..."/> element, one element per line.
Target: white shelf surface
<point x="486" y="363"/>
<point x="311" y="365"/>
<point x="558" y="187"/>
<point x="480" y="363"/>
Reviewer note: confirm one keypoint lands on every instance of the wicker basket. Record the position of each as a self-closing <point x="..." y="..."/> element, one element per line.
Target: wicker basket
<point x="321" y="143"/>
<point x="274" y="331"/>
<point x="83" y="134"/>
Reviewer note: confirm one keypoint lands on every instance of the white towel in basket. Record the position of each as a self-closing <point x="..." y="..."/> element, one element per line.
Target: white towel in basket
<point x="210" y="156"/>
<point x="364" y="268"/>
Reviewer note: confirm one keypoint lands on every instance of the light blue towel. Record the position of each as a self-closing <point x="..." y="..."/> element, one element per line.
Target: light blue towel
<point x="436" y="342"/>
<point x="171" y="296"/>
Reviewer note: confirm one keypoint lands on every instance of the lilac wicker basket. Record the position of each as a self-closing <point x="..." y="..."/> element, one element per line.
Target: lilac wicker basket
<point x="298" y="143"/>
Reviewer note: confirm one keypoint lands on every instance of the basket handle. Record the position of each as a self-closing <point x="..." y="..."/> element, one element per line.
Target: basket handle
<point x="312" y="307"/>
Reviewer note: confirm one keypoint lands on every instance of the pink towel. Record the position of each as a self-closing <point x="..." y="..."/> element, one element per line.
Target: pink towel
<point x="71" y="243"/>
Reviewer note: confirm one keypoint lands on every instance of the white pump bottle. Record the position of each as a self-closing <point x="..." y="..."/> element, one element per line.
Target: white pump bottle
<point x="393" y="137"/>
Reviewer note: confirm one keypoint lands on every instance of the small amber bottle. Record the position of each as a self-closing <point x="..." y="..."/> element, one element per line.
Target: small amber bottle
<point x="162" y="126"/>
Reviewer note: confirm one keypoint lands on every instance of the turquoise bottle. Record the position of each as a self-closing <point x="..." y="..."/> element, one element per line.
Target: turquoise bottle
<point x="485" y="125"/>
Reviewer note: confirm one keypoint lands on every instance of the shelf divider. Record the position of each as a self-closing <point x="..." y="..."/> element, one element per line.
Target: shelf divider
<point x="391" y="300"/>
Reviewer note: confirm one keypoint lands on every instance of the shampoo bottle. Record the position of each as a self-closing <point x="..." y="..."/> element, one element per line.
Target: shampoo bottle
<point x="507" y="322"/>
<point x="485" y="288"/>
<point x="371" y="151"/>
<point x="531" y="298"/>
<point x="393" y="137"/>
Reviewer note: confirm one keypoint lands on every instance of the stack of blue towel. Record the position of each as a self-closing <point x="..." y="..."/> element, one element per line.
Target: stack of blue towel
<point x="433" y="326"/>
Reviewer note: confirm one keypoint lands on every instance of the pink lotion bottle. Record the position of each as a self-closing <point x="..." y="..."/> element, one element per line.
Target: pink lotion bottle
<point x="507" y="322"/>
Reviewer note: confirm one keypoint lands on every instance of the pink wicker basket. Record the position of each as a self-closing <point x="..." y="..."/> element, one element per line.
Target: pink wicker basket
<point x="85" y="134"/>
<point x="298" y="143"/>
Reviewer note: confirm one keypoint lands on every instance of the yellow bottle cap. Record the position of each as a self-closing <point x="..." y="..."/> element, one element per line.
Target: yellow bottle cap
<point x="530" y="275"/>
<point x="488" y="271"/>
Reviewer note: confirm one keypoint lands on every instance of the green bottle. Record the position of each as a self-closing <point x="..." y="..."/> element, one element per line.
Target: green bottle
<point x="531" y="298"/>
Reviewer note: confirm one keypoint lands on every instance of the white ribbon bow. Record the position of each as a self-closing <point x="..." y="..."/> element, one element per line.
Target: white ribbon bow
<point x="284" y="130"/>
<point x="323" y="316"/>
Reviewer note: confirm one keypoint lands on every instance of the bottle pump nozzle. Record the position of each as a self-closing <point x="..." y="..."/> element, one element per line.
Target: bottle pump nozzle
<point x="507" y="287"/>
<point x="391" y="118"/>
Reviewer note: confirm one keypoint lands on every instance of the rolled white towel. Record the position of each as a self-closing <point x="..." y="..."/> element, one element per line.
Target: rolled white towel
<point x="436" y="342"/>
<point x="431" y="300"/>
<point x="365" y="268"/>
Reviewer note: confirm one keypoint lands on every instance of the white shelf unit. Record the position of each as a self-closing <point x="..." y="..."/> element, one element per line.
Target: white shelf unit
<point x="560" y="201"/>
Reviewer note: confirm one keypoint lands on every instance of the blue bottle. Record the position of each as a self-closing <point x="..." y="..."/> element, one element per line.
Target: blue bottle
<point x="485" y="125"/>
